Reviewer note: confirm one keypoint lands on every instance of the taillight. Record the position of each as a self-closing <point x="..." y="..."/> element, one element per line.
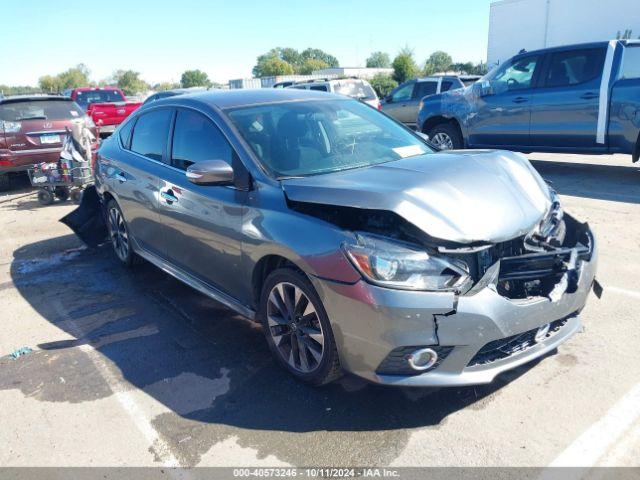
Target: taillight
<point x="10" y="127"/>
<point x="379" y="105"/>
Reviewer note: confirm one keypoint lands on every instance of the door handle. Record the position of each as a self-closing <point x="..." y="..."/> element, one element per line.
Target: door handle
<point x="168" y="196"/>
<point x="520" y="100"/>
<point x="120" y="177"/>
<point x="589" y="96"/>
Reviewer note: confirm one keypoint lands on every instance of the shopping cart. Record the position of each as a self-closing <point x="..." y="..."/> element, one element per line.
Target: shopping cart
<point x="62" y="180"/>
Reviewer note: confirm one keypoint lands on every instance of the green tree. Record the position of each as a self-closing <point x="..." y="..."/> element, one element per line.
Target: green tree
<point x="317" y="54"/>
<point x="310" y="65"/>
<point x="300" y="62"/>
<point x="378" y="60"/>
<point x="195" y="78"/>
<point x="404" y="66"/>
<point x="50" y="84"/>
<point x="77" y="76"/>
<point x="383" y="84"/>
<point x="438" y="62"/>
<point x="275" y="66"/>
<point x="163" y="86"/>
<point x="130" y="82"/>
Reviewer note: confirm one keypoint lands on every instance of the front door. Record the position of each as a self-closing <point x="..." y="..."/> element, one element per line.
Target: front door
<point x="202" y="224"/>
<point x="564" y="110"/>
<point x="503" y="112"/>
<point x="398" y="104"/>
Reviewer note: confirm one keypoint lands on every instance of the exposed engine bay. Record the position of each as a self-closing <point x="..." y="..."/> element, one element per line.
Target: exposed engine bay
<point x="543" y="263"/>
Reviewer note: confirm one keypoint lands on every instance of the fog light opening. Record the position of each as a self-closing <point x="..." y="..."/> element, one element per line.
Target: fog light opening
<point x="422" y="359"/>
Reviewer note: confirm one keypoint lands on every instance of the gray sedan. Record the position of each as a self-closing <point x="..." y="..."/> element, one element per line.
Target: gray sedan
<point x="356" y="246"/>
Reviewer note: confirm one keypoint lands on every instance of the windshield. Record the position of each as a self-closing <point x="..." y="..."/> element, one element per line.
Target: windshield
<point x="85" y="97"/>
<point x="40" y="110"/>
<point x="355" y="89"/>
<point x="314" y="137"/>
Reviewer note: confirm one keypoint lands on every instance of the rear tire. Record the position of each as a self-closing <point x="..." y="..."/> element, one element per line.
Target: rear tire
<point x="76" y="196"/>
<point x="446" y="136"/>
<point x="61" y="193"/>
<point x="119" y="236"/>
<point x="297" y="328"/>
<point x="45" y="197"/>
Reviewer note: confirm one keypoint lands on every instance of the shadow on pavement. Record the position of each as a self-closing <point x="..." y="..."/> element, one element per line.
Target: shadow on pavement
<point x="603" y="182"/>
<point x="210" y="370"/>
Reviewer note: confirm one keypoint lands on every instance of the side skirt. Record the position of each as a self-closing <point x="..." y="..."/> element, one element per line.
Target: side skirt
<point x="197" y="284"/>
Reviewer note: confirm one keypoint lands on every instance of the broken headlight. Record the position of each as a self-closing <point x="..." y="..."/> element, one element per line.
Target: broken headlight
<point x="394" y="264"/>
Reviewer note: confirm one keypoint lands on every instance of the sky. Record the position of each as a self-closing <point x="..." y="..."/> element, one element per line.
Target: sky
<point x="160" y="39"/>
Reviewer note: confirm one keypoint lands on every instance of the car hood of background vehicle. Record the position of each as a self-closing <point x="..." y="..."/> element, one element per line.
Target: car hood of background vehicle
<point x="459" y="196"/>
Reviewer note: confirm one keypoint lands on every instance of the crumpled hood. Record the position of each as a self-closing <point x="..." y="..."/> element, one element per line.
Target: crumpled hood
<point x="460" y="196"/>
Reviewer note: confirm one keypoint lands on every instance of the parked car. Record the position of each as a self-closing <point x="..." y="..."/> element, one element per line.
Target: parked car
<point x="403" y="101"/>
<point x="351" y="87"/>
<point x="33" y="129"/>
<point x="107" y="106"/>
<point x="576" y="99"/>
<point x="284" y="84"/>
<point x="355" y="245"/>
<point x="172" y="93"/>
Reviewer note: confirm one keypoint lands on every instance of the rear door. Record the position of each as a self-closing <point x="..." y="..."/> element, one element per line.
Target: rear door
<point x="503" y="112"/>
<point x="202" y="224"/>
<point x="564" y="110"/>
<point x="135" y="177"/>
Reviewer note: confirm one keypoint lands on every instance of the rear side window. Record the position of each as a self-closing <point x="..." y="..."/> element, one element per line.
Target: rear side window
<point x="40" y="110"/>
<point x="631" y="63"/>
<point x="446" y="85"/>
<point x="85" y="97"/>
<point x="321" y="88"/>
<point x="574" y="67"/>
<point x="150" y="134"/>
<point x="425" y="88"/>
<point x="125" y="133"/>
<point x="196" y="138"/>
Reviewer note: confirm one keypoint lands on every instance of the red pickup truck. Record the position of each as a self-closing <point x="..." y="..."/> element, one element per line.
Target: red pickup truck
<point x="107" y="106"/>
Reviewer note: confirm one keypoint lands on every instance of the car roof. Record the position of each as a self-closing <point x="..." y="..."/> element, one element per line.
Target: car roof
<point x="88" y="89"/>
<point x="32" y="98"/>
<point x="227" y="99"/>
<point x="564" y="47"/>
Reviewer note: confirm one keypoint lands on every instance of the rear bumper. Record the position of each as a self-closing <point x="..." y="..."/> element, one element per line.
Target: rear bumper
<point x="370" y="322"/>
<point x="21" y="161"/>
<point x="107" y="129"/>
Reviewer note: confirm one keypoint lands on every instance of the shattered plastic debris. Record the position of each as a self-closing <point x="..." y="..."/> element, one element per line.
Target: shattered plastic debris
<point x="20" y="352"/>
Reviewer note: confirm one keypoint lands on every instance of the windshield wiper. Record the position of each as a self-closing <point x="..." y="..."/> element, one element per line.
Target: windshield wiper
<point x="35" y="117"/>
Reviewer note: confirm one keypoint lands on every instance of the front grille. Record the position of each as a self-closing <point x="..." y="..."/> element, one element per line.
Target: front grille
<point x="506" y="347"/>
<point x="396" y="362"/>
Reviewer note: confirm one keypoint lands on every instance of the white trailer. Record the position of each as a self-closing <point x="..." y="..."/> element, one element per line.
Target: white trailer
<point x="531" y="24"/>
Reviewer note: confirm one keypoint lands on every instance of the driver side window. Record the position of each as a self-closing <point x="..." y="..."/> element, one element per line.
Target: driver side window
<point x="196" y="138"/>
<point x="403" y="93"/>
<point x="515" y="75"/>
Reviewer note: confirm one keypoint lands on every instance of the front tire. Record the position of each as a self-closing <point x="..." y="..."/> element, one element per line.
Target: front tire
<point x="297" y="328"/>
<point x="446" y="136"/>
<point x="119" y="235"/>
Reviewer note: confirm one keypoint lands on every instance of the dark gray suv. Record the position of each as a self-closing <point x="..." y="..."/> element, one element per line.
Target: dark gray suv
<point x="356" y="246"/>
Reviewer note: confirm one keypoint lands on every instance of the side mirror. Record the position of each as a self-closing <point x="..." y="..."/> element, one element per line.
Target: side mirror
<point x="210" y="172"/>
<point x="483" y="88"/>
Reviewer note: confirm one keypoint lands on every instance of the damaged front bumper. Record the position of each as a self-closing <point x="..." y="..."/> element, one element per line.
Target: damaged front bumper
<point x="477" y="335"/>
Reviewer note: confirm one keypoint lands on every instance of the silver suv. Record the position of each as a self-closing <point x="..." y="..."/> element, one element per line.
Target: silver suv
<point x="356" y="246"/>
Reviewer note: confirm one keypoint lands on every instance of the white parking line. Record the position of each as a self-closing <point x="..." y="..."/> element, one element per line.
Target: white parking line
<point x="589" y="447"/>
<point x="623" y="291"/>
<point x="126" y="400"/>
